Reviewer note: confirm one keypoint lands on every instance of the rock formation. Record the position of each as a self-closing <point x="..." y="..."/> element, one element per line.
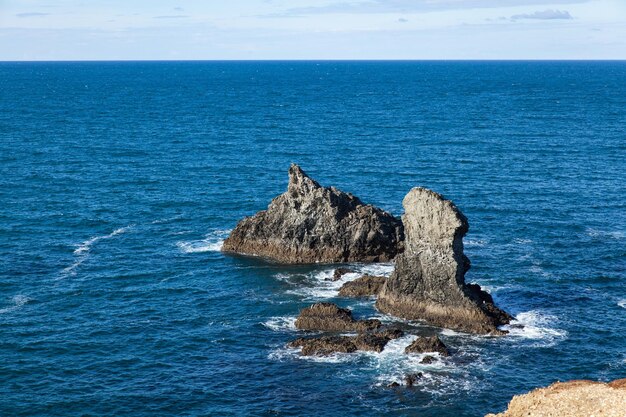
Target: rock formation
<point x="365" y="286"/>
<point x="428" y="282"/>
<point x="327" y="345"/>
<point x="427" y="344"/>
<point x="572" y="399"/>
<point x="324" y="345"/>
<point x="310" y="223"/>
<point x="332" y="318"/>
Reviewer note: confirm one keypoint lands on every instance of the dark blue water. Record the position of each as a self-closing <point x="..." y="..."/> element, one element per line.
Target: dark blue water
<point x="119" y="180"/>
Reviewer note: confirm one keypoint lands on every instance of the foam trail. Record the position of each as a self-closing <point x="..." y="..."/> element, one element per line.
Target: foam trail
<point x="18" y="301"/>
<point x="610" y="234"/>
<point x="82" y="251"/>
<point x="212" y="242"/>
<point x="622" y="303"/>
<point x="318" y="285"/>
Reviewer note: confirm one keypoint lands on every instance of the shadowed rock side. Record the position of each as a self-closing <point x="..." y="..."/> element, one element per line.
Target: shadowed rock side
<point x="573" y="399"/>
<point x="310" y="223"/>
<point x="428" y="282"/>
<point x="427" y="344"/>
<point x="365" y="286"/>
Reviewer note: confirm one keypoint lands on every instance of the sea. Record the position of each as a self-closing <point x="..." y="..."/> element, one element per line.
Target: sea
<point x="120" y="180"/>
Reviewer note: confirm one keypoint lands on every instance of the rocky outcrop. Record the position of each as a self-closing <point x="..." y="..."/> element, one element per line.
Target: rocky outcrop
<point x="427" y="344"/>
<point x="330" y="317"/>
<point x="327" y="345"/>
<point x="324" y="345"/>
<point x="428" y="282"/>
<point x="365" y="286"/>
<point x="572" y="399"/>
<point x="310" y="223"/>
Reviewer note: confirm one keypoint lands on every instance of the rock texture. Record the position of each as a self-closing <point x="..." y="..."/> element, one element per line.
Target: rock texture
<point x="571" y="399"/>
<point x="330" y="317"/>
<point x="327" y="345"/>
<point x="365" y="286"/>
<point x="427" y="344"/>
<point x="310" y="223"/>
<point x="324" y="345"/>
<point x="428" y="282"/>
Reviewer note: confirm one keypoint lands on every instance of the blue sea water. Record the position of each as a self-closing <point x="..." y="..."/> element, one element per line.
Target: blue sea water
<point x="118" y="182"/>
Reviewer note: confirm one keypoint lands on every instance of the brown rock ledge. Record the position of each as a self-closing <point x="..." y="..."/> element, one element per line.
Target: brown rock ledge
<point x="579" y="398"/>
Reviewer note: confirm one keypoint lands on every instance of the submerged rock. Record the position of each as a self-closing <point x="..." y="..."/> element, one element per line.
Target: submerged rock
<point x="330" y="317"/>
<point x="340" y="272"/>
<point x="365" y="286"/>
<point x="427" y="344"/>
<point x="310" y="223"/>
<point x="411" y="379"/>
<point x="428" y="281"/>
<point x="573" y="399"/>
<point x="427" y="360"/>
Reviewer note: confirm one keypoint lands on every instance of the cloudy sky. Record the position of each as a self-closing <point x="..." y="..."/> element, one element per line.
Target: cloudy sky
<point x="312" y="29"/>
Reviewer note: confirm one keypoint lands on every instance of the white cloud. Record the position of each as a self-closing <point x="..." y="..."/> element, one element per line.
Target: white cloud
<point x="544" y="15"/>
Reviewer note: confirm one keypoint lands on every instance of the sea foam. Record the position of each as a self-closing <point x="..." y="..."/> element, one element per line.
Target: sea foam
<point x="81" y="253"/>
<point x="212" y="242"/>
<point x="281" y="323"/>
<point x="318" y="285"/>
<point x="16" y="303"/>
<point x="535" y="325"/>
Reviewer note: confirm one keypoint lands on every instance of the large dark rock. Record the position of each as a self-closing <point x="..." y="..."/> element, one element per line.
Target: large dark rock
<point x="372" y="341"/>
<point x="330" y="317"/>
<point x="310" y="223"/>
<point x="427" y="344"/>
<point x="365" y="286"/>
<point x="324" y="345"/>
<point x="428" y="282"/>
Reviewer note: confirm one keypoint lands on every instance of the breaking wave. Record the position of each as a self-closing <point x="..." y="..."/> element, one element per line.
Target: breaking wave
<point x="212" y="242"/>
<point x="536" y="326"/>
<point x="318" y="285"/>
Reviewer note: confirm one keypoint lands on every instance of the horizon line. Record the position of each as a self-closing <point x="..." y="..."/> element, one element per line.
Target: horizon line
<point x="326" y="60"/>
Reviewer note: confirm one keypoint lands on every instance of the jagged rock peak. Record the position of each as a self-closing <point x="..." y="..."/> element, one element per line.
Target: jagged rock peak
<point x="300" y="182"/>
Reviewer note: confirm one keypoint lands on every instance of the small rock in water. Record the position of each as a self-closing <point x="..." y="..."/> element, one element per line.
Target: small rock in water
<point x="365" y="286"/>
<point x="330" y="317"/>
<point x="428" y="360"/>
<point x="324" y="345"/>
<point x="340" y="272"/>
<point x="427" y="344"/>
<point x="411" y="379"/>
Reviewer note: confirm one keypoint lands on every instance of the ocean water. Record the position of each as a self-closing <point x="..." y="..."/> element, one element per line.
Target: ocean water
<point x="119" y="181"/>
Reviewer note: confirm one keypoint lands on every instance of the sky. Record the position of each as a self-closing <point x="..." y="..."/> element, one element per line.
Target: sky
<point x="311" y="29"/>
